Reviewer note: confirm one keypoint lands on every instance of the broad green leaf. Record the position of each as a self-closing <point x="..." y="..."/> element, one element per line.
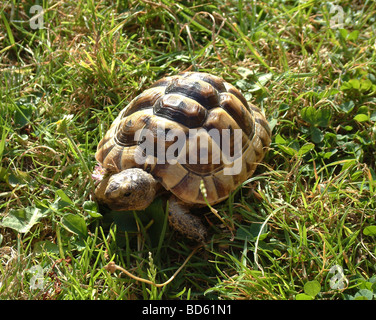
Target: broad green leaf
<point x="252" y="81"/>
<point x="63" y="196"/>
<point x="364" y="294"/>
<point x="363" y="110"/>
<point x="361" y="117"/>
<point x="48" y="246"/>
<point x="370" y="231"/>
<point x="316" y="134"/>
<point x="264" y="78"/>
<point x="315" y="117"/>
<point x="272" y="123"/>
<point x="306" y="148"/>
<point x="23" y="114"/>
<point x="288" y="150"/>
<point x="243" y="85"/>
<point x="365" y="85"/>
<point x="251" y="232"/>
<point x="283" y="107"/>
<point x="347" y="106"/>
<point x="328" y="154"/>
<point x="22" y="220"/>
<point x="355" y="83"/>
<point x="91" y="208"/>
<point x="279" y="139"/>
<point x="75" y="224"/>
<point x="353" y="36"/>
<point x="245" y="73"/>
<point x="157" y="214"/>
<point x="343" y="33"/>
<point x="312" y="288"/>
<point x="303" y="296"/>
<point x="346" y="86"/>
<point x="309" y="115"/>
<point x="18" y="178"/>
<point x="323" y="117"/>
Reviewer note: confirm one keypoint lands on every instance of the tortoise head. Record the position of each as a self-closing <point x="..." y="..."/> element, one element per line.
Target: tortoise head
<point x="130" y="189"/>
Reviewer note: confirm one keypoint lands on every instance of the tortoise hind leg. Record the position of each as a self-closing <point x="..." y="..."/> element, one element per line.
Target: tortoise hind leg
<point x="184" y="222"/>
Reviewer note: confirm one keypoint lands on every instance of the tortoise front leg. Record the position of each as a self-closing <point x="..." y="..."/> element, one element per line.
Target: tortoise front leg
<point x="184" y="222"/>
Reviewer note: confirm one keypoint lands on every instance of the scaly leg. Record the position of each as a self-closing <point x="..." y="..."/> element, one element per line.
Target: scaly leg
<point x="183" y="221"/>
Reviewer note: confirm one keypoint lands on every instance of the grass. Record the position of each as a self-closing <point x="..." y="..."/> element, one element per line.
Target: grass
<point x="302" y="228"/>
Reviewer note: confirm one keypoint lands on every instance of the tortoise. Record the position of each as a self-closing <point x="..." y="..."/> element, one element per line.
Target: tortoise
<point x="171" y="139"/>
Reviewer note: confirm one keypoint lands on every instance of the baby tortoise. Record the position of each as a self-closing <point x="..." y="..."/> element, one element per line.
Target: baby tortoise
<point x="172" y="137"/>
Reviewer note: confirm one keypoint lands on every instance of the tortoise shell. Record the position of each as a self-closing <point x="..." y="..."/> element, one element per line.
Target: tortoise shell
<point x="201" y="110"/>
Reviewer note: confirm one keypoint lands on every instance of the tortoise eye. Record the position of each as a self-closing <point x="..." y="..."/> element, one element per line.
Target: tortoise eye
<point x="127" y="194"/>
